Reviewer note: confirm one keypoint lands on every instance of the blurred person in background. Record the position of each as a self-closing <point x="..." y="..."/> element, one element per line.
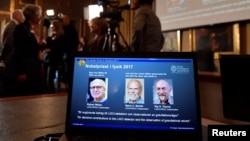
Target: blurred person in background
<point x="71" y="43"/>
<point x="146" y="29"/>
<point x="7" y="50"/>
<point x="83" y="44"/>
<point x="27" y="57"/>
<point x="98" y="28"/>
<point x="54" y="50"/>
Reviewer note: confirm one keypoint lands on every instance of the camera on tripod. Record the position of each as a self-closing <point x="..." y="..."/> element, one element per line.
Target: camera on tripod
<point x="112" y="11"/>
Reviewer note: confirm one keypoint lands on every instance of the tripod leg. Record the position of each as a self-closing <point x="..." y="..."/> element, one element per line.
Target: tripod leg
<point x="105" y="43"/>
<point x="120" y="33"/>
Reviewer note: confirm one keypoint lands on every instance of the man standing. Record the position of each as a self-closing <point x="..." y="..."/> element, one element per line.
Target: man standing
<point x="7" y="51"/>
<point x="146" y="30"/>
<point x="27" y="59"/>
<point x="7" y="34"/>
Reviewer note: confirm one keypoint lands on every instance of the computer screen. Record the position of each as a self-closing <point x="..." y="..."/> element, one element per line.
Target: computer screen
<point x="111" y="73"/>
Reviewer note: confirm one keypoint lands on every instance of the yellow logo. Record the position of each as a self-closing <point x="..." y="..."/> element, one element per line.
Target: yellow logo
<point x="81" y="63"/>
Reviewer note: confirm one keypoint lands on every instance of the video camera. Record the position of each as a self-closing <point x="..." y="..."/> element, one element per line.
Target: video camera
<point x="113" y="11"/>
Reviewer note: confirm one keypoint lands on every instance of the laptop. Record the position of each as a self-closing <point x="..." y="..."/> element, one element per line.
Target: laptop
<point x="115" y="119"/>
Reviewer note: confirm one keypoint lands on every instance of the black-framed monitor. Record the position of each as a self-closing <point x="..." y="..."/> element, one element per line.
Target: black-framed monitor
<point x="235" y="76"/>
<point x="178" y="120"/>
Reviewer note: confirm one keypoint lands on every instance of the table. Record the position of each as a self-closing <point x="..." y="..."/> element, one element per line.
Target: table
<point x="25" y="118"/>
<point x="28" y="117"/>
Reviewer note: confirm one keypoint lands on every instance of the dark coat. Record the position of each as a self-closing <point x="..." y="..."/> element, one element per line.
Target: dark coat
<point x="56" y="47"/>
<point x="26" y="57"/>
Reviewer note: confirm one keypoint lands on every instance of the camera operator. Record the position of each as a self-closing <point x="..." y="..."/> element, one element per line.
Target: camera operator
<point x="99" y="28"/>
<point x="146" y="30"/>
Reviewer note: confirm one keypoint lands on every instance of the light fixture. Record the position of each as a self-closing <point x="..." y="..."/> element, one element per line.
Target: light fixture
<point x="50" y="12"/>
<point x="94" y="11"/>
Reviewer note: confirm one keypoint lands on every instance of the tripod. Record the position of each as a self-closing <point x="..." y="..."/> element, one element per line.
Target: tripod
<point x="111" y="42"/>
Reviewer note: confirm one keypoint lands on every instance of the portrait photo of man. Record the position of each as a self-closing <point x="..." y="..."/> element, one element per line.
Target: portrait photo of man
<point x="98" y="90"/>
<point x="134" y="92"/>
<point x="163" y="92"/>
